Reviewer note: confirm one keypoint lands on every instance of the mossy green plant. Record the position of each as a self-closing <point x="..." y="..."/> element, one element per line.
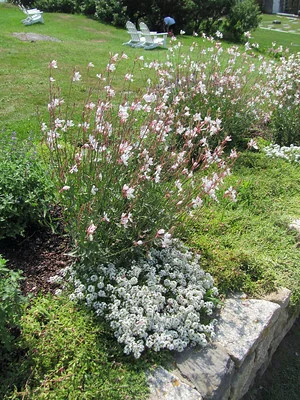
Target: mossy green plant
<point x="64" y="354"/>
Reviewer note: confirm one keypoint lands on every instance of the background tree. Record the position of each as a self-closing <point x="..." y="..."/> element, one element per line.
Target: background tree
<point x="233" y="16"/>
<point x="243" y="16"/>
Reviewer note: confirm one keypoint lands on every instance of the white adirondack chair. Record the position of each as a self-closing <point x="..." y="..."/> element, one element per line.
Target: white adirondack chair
<point x="30" y="11"/>
<point x="153" y="39"/>
<point x="136" y="39"/>
<point x="33" y="15"/>
<point x="33" y="19"/>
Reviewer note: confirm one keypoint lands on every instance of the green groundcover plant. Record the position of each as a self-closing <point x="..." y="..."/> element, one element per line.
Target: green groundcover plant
<point x="64" y="353"/>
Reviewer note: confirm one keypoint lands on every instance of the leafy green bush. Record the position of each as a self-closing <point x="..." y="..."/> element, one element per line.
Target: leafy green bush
<point x="87" y="7"/>
<point x="11" y="302"/>
<point x="25" y="188"/>
<point x="66" y="6"/>
<point x="243" y="17"/>
<point x="111" y="11"/>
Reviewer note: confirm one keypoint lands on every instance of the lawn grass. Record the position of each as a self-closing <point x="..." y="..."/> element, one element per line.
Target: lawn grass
<point x="286" y="34"/>
<point x="64" y="353"/>
<point x="24" y="76"/>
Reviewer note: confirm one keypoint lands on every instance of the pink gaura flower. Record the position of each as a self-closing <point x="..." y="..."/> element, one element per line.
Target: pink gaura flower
<point x="231" y="193"/>
<point x="115" y="57"/>
<point x="197" y="202"/>
<point x="90" y="231"/>
<point x="105" y="217"/>
<point x="110" y="67"/>
<point x="55" y="103"/>
<point x="128" y="192"/>
<point x="53" y="64"/>
<point x="123" y="113"/>
<point x="252" y="144"/>
<point x="166" y="240"/>
<point x="233" y="154"/>
<point x="129" y="77"/>
<point x="125" y="219"/>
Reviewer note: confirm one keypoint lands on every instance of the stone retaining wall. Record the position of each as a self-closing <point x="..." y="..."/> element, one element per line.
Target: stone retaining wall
<point x="247" y="334"/>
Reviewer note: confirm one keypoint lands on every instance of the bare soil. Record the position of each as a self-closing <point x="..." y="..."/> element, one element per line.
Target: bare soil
<point x="40" y="255"/>
<point x="34" y="37"/>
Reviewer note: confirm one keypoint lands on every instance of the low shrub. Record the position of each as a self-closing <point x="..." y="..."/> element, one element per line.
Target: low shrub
<point x="26" y="192"/>
<point x="11" y="302"/>
<point x="123" y="180"/>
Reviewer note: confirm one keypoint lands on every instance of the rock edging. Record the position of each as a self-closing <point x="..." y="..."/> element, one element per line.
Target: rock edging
<point x="247" y="334"/>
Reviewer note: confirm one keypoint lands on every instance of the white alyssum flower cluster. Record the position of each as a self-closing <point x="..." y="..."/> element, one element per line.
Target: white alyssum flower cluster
<point x="290" y="153"/>
<point x="164" y="301"/>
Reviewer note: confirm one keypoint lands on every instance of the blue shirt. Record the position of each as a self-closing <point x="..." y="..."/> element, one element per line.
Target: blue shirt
<point x="169" y="21"/>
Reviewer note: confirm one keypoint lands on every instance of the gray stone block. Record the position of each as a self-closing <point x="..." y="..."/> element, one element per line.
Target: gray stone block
<point x="247" y="334"/>
<point x="281" y="297"/>
<point x="243" y="378"/>
<point x="165" y="386"/>
<point x="242" y="324"/>
<point x="280" y="333"/>
<point x="209" y="369"/>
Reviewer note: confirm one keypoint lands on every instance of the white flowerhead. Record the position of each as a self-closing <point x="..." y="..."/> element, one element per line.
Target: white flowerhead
<point x="125" y="219"/>
<point x="252" y="144"/>
<point x="76" y="76"/>
<point x="128" y="192"/>
<point x="94" y="190"/>
<point x="53" y="64"/>
<point x="90" y="231"/>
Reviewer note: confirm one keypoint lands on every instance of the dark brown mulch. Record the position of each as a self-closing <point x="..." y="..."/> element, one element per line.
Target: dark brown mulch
<point x="40" y="255"/>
